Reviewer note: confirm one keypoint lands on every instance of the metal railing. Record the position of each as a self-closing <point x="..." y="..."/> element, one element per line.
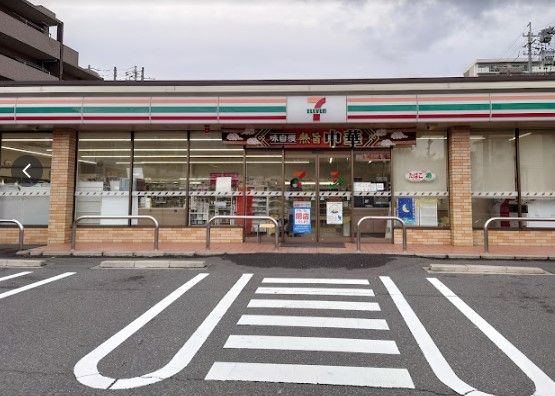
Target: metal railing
<point x="21" y="230"/>
<point x="231" y="217"/>
<point x="392" y="218"/>
<point x="519" y="219"/>
<point x="94" y="217"/>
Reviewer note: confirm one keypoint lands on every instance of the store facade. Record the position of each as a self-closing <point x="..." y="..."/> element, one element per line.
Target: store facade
<point x="443" y="154"/>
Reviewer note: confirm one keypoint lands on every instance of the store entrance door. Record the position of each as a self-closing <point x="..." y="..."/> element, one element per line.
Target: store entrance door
<point x="317" y="197"/>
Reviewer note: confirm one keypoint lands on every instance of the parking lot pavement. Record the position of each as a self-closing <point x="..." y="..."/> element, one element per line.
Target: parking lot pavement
<point x="261" y="324"/>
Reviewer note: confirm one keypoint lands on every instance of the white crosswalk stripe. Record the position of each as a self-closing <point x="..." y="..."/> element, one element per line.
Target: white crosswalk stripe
<point x="321" y="344"/>
<point x="311" y="374"/>
<point x="315" y="291"/>
<point x="12" y="276"/>
<point x="315" y="281"/>
<point x="359" y="342"/>
<point x="36" y="284"/>
<point x="315" y="304"/>
<point x="313" y="321"/>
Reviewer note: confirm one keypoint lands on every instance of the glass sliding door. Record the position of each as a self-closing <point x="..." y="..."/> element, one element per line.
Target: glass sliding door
<point x="334" y="191"/>
<point x="300" y="220"/>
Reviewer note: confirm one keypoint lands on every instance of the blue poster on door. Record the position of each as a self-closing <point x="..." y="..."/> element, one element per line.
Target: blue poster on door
<point x="301" y="221"/>
<point x="405" y="210"/>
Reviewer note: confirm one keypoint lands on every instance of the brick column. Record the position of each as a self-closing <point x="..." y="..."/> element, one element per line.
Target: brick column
<point x="460" y="189"/>
<point x="62" y="178"/>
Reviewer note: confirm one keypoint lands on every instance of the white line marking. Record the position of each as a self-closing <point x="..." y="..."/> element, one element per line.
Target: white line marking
<point x="315" y="304"/>
<point x="318" y="281"/>
<point x="319" y="344"/>
<point x="437" y="362"/>
<point x="544" y="384"/>
<point x="313" y="321"/>
<point x="15" y="275"/>
<point x="86" y="370"/>
<point x="36" y="284"/>
<point x="315" y="291"/>
<point x="311" y="374"/>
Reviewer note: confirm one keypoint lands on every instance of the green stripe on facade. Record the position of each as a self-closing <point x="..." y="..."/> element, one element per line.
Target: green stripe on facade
<point x="123" y="109"/>
<point x="6" y="110"/>
<point x="523" y="106"/>
<point x="253" y="109"/>
<point x="381" y="108"/>
<point x="34" y="110"/>
<point x="185" y="109"/>
<point x="453" y="106"/>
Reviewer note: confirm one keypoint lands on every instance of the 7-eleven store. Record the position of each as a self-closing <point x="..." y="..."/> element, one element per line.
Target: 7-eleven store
<point x="443" y="154"/>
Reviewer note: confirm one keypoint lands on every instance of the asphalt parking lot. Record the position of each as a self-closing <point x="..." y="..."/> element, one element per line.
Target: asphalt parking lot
<point x="276" y="324"/>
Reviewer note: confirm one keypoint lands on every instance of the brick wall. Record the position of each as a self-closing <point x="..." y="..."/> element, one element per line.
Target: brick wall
<point x="424" y="237"/>
<point x="32" y="236"/>
<point x="516" y="238"/>
<point x="460" y="189"/>
<point x="62" y="185"/>
<point x="146" y="235"/>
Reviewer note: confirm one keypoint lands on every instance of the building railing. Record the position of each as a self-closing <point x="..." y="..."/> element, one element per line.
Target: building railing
<point x="21" y="229"/>
<point x="239" y="217"/>
<point x="519" y="219"/>
<point x="392" y="218"/>
<point x="93" y="217"/>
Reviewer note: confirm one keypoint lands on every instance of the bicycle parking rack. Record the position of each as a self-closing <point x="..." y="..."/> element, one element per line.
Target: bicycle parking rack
<point x="392" y="218"/>
<point x="21" y="230"/>
<point x="519" y="219"/>
<point x="132" y="217"/>
<point x="232" y="217"/>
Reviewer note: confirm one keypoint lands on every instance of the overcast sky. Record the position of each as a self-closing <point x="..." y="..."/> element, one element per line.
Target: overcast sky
<point x="254" y="39"/>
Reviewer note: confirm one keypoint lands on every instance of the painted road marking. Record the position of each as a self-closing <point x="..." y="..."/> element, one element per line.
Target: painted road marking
<point x="311" y="374"/>
<point x="544" y="384"/>
<point x="313" y="321"/>
<point x="315" y="291"/>
<point x="315" y="304"/>
<point x="437" y="362"/>
<point x="36" y="284"/>
<point x="15" y="275"/>
<point x="317" y="281"/>
<point x="86" y="370"/>
<point x="319" y="344"/>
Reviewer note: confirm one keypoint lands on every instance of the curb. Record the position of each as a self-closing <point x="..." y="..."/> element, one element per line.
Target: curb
<point x="152" y="264"/>
<point x="485" y="269"/>
<point x="21" y="263"/>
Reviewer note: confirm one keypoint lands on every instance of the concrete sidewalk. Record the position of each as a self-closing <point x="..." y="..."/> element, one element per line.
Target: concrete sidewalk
<point x="199" y="249"/>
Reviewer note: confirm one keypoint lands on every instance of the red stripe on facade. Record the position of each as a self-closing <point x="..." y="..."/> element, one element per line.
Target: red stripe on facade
<point x="7" y="118"/>
<point x="116" y="118"/>
<point x="485" y="115"/>
<point x="48" y="118"/>
<point x="274" y="117"/>
<point x="374" y="116"/>
<point x="508" y="115"/>
<point x="169" y="118"/>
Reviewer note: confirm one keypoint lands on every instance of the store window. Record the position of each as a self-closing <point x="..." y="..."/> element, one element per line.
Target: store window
<point x="103" y="175"/>
<point x="263" y="191"/>
<point x="419" y="174"/>
<point x="25" y="160"/>
<point x="537" y="176"/>
<point x="160" y="176"/>
<point x="216" y="177"/>
<point x="493" y="177"/>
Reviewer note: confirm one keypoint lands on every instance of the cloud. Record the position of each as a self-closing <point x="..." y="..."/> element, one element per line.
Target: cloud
<point x="253" y="141"/>
<point x="233" y="137"/>
<point x="398" y="135"/>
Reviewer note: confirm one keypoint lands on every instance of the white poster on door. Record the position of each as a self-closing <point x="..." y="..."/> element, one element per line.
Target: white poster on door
<point x="334" y="212"/>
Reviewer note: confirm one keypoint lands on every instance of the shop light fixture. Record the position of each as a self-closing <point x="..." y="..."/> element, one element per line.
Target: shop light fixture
<point x="26" y="151"/>
<point x="26" y="139"/>
<point x="431" y="138"/>
<point x="206" y="162"/>
<point x="106" y="139"/>
<point x="520" y="136"/>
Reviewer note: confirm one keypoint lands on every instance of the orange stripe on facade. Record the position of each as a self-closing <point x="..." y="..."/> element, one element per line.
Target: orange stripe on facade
<point x="54" y="101"/>
<point x="213" y="101"/>
<point x="447" y="99"/>
<point x="388" y="99"/>
<point x="117" y="101"/>
<point x="521" y="97"/>
<point x="253" y="100"/>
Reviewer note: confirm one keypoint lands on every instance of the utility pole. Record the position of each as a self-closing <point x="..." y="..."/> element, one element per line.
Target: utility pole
<point x="135" y="73"/>
<point x="115" y="73"/>
<point x="142" y="73"/>
<point x="529" y="45"/>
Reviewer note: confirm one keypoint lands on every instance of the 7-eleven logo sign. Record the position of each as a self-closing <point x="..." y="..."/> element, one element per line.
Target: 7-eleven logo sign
<point x="316" y="107"/>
